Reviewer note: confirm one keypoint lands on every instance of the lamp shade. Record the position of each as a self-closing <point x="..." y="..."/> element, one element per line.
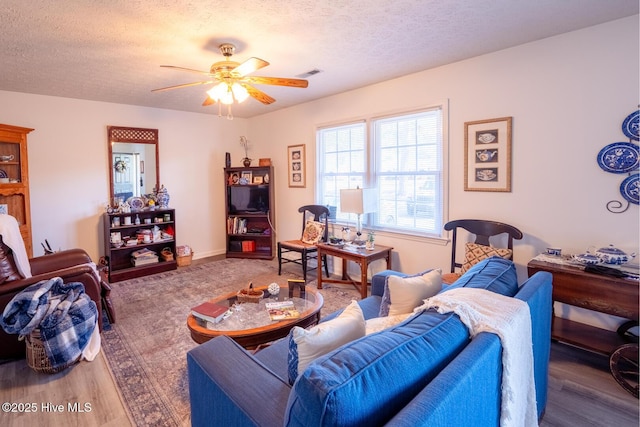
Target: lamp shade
<point x="357" y="200"/>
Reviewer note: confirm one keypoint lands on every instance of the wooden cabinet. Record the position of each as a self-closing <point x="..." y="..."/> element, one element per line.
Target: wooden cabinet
<point x="604" y="294"/>
<point x="14" y="179"/>
<point x="159" y="223"/>
<point x="250" y="212"/>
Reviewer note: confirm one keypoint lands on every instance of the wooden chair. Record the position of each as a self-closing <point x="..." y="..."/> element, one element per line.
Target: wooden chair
<point x="307" y="251"/>
<point x="483" y="230"/>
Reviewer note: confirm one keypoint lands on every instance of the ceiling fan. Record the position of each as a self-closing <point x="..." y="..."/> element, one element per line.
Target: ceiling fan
<point x="234" y="82"/>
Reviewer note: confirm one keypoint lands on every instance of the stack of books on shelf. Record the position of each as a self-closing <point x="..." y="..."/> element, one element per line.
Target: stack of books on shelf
<point x="210" y="312"/>
<point x="236" y="225"/>
<point x="143" y="256"/>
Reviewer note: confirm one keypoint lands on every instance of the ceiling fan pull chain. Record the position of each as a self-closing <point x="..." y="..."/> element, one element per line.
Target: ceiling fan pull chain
<point x="229" y="115"/>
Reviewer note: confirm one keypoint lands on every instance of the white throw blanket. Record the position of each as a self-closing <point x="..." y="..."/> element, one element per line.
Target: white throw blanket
<point x="509" y="318"/>
<point x="10" y="232"/>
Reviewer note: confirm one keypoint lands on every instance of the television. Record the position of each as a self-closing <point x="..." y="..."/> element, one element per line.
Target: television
<point x="247" y="199"/>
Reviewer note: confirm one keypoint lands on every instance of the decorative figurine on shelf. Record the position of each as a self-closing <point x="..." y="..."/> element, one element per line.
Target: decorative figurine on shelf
<point x="245" y="144"/>
<point x="124" y="207"/>
<point x="162" y="197"/>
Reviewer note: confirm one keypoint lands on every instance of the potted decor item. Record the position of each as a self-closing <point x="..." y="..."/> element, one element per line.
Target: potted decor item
<point x="370" y="239"/>
<point x="246" y="161"/>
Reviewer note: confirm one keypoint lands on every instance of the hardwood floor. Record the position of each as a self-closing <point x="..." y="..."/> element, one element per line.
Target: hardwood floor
<point x="575" y="375"/>
<point x="83" y="395"/>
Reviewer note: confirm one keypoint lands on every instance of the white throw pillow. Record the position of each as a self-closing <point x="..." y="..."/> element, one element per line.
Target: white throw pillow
<point x="406" y="293"/>
<point x="305" y="345"/>
<point x="377" y="324"/>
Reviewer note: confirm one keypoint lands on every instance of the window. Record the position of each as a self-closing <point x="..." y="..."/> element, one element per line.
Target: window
<point x="401" y="157"/>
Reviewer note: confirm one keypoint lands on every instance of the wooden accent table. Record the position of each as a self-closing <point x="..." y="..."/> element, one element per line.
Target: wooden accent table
<point x="604" y="294"/>
<point x="269" y="330"/>
<point x="360" y="256"/>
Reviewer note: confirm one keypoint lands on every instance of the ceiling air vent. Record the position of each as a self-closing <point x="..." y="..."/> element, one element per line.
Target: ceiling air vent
<point x="309" y="73"/>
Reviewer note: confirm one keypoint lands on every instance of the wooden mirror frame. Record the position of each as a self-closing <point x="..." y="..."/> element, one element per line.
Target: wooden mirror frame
<point x="133" y="136"/>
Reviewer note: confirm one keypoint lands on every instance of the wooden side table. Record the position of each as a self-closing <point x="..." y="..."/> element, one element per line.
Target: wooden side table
<point x="361" y="257"/>
<point x="604" y="294"/>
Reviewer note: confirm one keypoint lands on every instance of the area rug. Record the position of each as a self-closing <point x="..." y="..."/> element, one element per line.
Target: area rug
<point x="146" y="347"/>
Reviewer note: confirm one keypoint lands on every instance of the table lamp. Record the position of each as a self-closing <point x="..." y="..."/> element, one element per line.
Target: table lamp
<point x="358" y="201"/>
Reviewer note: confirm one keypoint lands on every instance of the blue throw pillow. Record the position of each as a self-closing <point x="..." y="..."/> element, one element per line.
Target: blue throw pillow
<point x="493" y="274"/>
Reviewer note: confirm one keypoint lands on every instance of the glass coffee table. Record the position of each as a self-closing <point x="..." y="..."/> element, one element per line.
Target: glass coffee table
<point x="249" y="323"/>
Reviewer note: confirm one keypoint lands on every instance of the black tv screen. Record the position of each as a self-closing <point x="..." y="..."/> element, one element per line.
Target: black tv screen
<point x="247" y="199"/>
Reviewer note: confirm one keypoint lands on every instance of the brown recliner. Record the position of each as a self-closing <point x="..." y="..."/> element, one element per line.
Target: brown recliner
<point x="72" y="265"/>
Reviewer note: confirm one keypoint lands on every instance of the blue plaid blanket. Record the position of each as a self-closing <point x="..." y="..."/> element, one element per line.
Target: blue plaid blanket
<point x="64" y="313"/>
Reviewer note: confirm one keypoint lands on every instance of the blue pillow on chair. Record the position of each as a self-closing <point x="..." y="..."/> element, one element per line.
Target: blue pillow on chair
<point x="493" y="274"/>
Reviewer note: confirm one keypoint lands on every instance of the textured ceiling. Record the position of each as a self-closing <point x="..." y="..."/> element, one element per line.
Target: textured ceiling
<point x="112" y="50"/>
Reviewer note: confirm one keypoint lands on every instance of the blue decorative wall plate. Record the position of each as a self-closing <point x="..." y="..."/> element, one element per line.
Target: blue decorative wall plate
<point x="630" y="188"/>
<point x="631" y="125"/>
<point x="619" y="157"/>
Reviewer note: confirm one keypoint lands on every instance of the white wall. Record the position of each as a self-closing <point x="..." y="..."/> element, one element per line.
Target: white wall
<point x="568" y="96"/>
<point x="69" y="173"/>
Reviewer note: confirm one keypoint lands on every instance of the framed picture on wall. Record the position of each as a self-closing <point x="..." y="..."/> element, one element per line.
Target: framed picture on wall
<point x="297" y="167"/>
<point x="487" y="155"/>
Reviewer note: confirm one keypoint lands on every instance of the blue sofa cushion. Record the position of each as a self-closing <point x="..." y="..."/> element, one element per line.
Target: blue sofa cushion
<point x="493" y="274"/>
<point x="367" y="381"/>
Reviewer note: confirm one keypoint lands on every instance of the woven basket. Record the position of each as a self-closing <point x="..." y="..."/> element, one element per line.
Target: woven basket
<point x="37" y="357"/>
<point x="184" y="260"/>
<point x="243" y="297"/>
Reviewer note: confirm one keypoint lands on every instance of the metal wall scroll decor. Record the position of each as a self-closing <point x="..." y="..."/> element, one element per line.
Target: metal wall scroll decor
<point x="624" y="158"/>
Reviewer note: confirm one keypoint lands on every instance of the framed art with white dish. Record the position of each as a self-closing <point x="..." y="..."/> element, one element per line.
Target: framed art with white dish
<point x="487" y="155"/>
<point x="297" y="167"/>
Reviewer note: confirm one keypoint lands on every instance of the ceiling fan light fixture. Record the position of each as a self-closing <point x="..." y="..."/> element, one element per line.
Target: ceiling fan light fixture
<point x="217" y="92"/>
<point x="239" y="92"/>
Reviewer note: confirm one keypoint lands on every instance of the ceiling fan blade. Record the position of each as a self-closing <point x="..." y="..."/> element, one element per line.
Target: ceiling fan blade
<point x="249" y="66"/>
<point x="258" y="94"/>
<point x="183" y="85"/>
<point x="278" y="81"/>
<point x="206" y="73"/>
<point x="208" y="101"/>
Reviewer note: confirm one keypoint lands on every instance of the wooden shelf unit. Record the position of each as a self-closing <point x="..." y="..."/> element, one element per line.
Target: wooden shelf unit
<point x="249" y="234"/>
<point x="15" y="194"/>
<point x="119" y="259"/>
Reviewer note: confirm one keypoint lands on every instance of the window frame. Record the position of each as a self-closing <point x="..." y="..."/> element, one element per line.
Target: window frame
<point x="372" y="174"/>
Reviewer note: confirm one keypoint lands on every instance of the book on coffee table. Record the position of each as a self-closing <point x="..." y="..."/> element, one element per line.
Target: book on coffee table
<point x="282" y="310"/>
<point x="209" y="311"/>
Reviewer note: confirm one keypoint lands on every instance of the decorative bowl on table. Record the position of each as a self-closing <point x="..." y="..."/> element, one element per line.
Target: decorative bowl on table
<point x="249" y="295"/>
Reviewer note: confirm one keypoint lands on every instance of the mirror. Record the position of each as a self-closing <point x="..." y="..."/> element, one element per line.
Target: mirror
<point x="133" y="162"/>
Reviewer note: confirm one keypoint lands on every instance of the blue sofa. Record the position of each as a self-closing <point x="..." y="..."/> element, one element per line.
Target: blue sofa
<point x="423" y="371"/>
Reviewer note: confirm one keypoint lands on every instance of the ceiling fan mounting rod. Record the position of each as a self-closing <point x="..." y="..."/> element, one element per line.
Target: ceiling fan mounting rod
<point x="227" y="49"/>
